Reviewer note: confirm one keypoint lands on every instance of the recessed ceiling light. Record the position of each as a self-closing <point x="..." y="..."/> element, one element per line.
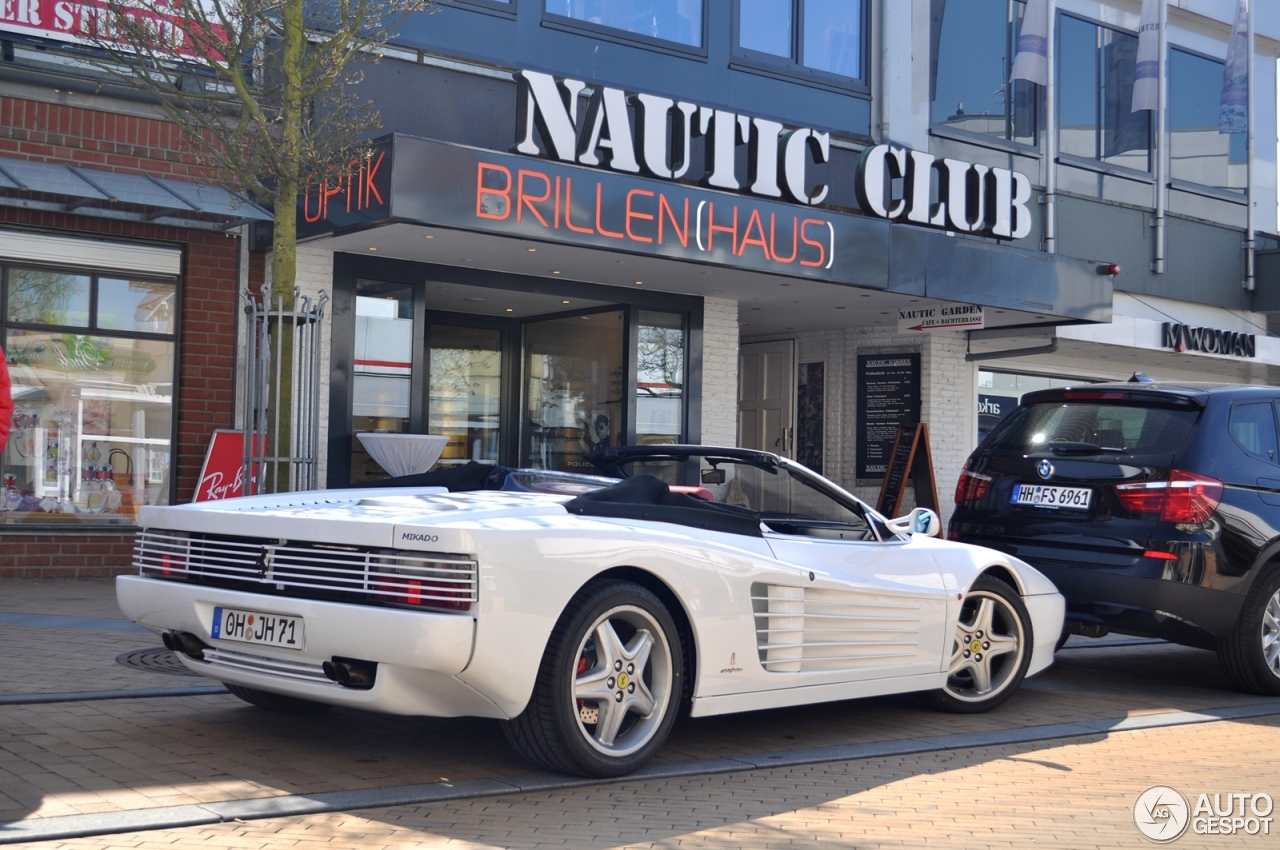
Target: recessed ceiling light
<point x="585" y="318"/>
<point x="564" y="302"/>
<point x="371" y="248"/>
<point x="429" y="236"/>
<point x="639" y="283"/>
<point x="839" y="308"/>
<point x="511" y="309"/>
<point x="557" y="271"/>
<point x="532" y="250"/>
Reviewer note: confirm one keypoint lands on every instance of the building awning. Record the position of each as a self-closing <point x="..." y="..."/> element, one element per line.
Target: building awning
<point x="93" y="191"/>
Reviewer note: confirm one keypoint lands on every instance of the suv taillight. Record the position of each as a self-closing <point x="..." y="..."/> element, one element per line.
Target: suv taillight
<point x="1185" y="498"/>
<point x="971" y="487"/>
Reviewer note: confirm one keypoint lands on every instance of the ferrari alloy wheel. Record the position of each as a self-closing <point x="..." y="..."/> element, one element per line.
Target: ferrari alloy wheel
<point x="1251" y="653"/>
<point x="608" y="687"/>
<point x="990" y="650"/>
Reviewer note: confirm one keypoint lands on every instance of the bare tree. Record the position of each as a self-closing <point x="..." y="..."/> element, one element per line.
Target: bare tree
<point x="263" y="92"/>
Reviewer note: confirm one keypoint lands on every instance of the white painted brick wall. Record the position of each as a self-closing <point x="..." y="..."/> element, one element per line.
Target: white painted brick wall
<point x="948" y="401"/>
<point x="314" y="275"/>
<point x="719" y="372"/>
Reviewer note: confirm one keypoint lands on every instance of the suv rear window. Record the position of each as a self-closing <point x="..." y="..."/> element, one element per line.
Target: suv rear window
<point x="1095" y="428"/>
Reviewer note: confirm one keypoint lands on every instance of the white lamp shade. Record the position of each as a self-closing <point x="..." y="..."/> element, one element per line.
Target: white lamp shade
<point x="403" y="454"/>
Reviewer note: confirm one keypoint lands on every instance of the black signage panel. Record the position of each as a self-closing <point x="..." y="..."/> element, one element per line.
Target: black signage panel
<point x="435" y="183"/>
<point x="358" y="194"/>
<point x="888" y="397"/>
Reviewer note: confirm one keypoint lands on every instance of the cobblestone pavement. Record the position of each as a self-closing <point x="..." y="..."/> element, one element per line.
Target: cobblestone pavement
<point x="43" y="659"/>
<point x="73" y="758"/>
<point x="1074" y="794"/>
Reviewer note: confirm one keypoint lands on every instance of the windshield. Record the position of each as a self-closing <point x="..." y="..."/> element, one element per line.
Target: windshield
<point x="787" y="500"/>
<point x="1095" y="428"/>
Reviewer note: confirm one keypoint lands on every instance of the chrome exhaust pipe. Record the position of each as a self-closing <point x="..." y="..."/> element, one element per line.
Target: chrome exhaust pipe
<point x="351" y="672"/>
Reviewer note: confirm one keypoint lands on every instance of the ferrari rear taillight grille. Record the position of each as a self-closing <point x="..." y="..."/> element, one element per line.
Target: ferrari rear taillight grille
<point x="311" y="570"/>
<point x="1186" y="498"/>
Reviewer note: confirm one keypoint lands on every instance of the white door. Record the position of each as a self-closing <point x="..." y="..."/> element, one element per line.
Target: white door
<point x="872" y="611"/>
<point x="766" y="397"/>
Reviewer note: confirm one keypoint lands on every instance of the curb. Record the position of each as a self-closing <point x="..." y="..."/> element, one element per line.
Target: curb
<point x="84" y="696"/>
<point x="172" y="817"/>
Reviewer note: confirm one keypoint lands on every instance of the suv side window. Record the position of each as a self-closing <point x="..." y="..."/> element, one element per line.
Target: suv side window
<point x="1253" y="427"/>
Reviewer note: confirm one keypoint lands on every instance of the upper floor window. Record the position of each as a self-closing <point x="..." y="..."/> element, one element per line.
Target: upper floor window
<point x="818" y="35"/>
<point x="679" y="21"/>
<point x="1198" y="153"/>
<point x="974" y="43"/>
<point x="1095" y="91"/>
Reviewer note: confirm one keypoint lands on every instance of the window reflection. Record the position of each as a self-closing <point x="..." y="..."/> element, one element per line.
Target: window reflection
<point x="973" y="49"/>
<point x="466" y="393"/>
<point x="1096" y="117"/>
<point x="1198" y="153"/>
<point x="91" y="428"/>
<point x="660" y="378"/>
<point x="670" y="20"/>
<point x="49" y="297"/>
<point x="833" y="36"/>
<point x="383" y="368"/>
<point x="574" y="369"/>
<point x="132" y="305"/>
<point x="765" y="25"/>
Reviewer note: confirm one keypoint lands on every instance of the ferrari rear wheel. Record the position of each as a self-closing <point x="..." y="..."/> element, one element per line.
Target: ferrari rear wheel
<point x="990" y="651"/>
<point x="608" y="687"/>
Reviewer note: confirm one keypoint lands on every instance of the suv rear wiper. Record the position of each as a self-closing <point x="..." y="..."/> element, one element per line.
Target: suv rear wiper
<point x="1073" y="447"/>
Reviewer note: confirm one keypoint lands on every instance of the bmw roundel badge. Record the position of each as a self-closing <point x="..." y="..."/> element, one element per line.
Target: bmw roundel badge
<point x="1045" y="469"/>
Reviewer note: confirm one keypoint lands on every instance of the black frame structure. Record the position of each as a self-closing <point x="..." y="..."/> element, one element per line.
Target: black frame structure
<point x="792" y="68"/>
<point x="175" y="338"/>
<point x="351" y="269"/>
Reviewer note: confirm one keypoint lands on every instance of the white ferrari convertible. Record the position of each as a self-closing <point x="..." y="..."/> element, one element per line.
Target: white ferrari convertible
<point x="586" y="612"/>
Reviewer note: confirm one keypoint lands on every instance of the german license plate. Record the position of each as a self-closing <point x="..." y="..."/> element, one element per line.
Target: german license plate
<point x="257" y="627"/>
<point x="1042" y="496"/>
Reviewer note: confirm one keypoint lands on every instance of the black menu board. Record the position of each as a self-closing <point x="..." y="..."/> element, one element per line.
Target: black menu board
<point x="888" y="397"/>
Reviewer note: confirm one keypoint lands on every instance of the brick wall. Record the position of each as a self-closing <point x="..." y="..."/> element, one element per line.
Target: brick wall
<point x="207" y="357"/>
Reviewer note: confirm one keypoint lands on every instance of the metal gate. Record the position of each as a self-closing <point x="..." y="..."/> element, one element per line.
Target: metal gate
<point x="265" y="467"/>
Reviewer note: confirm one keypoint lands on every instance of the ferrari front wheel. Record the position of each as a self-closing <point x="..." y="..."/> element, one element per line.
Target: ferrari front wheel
<point x="990" y="650"/>
<point x="608" y="687"/>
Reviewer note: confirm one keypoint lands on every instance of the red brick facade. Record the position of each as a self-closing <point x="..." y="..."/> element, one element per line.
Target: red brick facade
<point x="207" y="341"/>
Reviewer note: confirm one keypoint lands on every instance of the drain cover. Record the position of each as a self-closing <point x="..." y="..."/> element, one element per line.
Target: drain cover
<point x="158" y="660"/>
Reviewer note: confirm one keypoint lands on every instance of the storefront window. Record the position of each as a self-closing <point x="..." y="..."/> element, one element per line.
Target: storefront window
<point x="1198" y="153"/>
<point x="574" y="374"/>
<point x="670" y="20"/>
<point x="92" y="363"/>
<point x="660" y="378"/>
<point x="466" y="392"/>
<point x="831" y="32"/>
<point x="1000" y="392"/>
<point x="973" y="49"/>
<point x="383" y="373"/>
<point x="1096" y="117"/>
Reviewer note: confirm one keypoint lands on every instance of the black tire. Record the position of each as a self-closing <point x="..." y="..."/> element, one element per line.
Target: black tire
<point x="278" y="703"/>
<point x="1251" y="653"/>
<point x="1010" y="627"/>
<point x="555" y="730"/>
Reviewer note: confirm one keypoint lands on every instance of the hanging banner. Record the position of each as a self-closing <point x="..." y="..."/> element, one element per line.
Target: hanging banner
<point x="941" y="317"/>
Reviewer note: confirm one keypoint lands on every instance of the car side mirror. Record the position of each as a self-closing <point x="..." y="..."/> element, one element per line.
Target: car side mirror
<point x="926" y="522"/>
<point x="919" y="521"/>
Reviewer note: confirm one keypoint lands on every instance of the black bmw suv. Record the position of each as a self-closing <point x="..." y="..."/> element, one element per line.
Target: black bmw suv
<point x="1154" y="507"/>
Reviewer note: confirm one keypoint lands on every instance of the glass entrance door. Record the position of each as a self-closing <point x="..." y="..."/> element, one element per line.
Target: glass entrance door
<point x="574" y="379"/>
<point x="465" y="392"/>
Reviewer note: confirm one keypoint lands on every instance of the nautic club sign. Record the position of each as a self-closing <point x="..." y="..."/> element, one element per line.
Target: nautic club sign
<point x="658" y="175"/>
